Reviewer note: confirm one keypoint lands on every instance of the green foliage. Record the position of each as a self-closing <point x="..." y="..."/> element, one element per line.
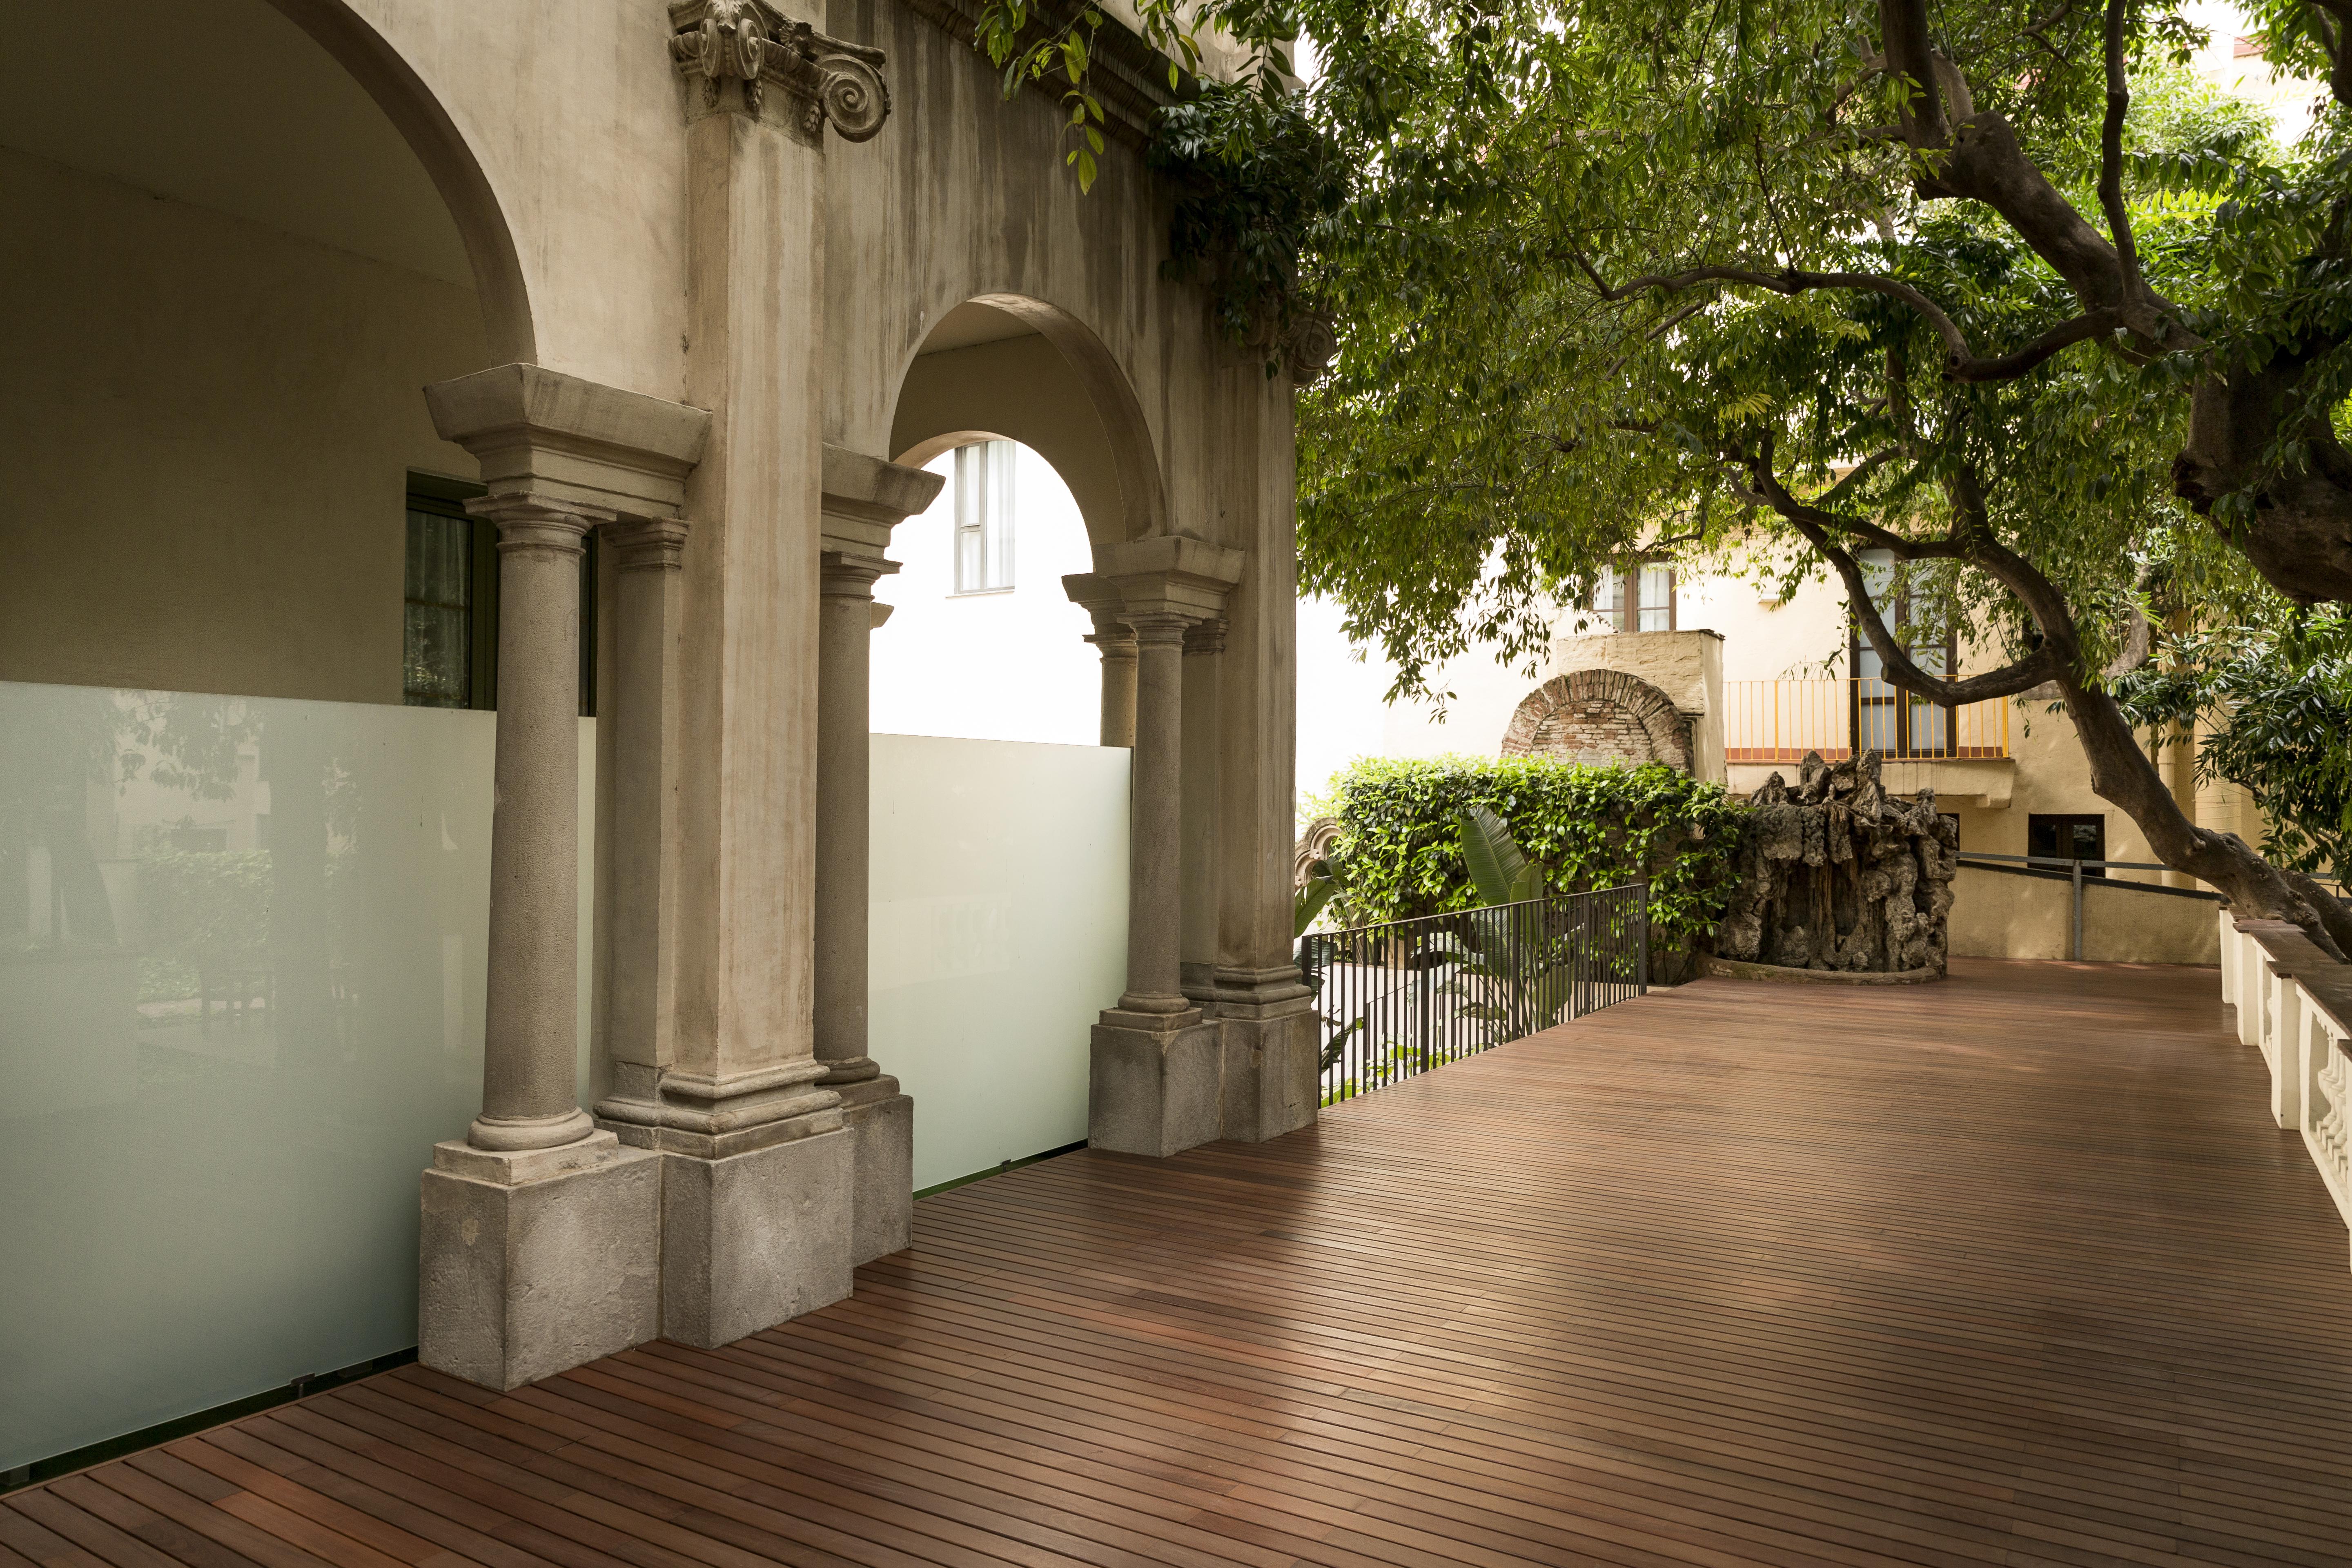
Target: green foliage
<point x="1500" y="425"/>
<point x="1399" y="853"/>
<point x="1257" y="184"/>
<point x="2276" y="704"/>
<point x="1173" y="28"/>
<point x="1497" y="870"/>
<point x="209" y="906"/>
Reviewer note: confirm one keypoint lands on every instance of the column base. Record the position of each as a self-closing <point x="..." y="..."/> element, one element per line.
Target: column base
<point x="1154" y="1082"/>
<point x="751" y="1240"/>
<point x="538" y="1262"/>
<point x="755" y="1194"/>
<point x="1272" y="1077"/>
<point x="881" y="1122"/>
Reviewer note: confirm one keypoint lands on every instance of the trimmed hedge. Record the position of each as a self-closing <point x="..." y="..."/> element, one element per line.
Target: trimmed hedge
<point x="1398" y="854"/>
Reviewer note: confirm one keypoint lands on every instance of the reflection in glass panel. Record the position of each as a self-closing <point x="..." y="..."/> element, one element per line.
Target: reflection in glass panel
<point x="241" y="960"/>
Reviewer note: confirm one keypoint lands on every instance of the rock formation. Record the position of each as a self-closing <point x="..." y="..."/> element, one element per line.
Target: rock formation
<point x="1839" y="875"/>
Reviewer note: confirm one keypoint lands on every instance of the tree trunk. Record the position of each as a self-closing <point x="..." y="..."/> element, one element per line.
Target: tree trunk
<point x="2122" y="774"/>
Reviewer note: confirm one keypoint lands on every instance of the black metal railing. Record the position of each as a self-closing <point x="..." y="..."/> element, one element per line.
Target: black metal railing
<point x="1401" y="997"/>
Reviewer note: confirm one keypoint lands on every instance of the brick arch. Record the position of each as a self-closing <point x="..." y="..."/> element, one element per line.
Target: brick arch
<point x="1600" y="716"/>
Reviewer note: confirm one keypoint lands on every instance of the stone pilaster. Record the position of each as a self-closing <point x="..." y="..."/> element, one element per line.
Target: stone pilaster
<point x="1155" y="1077"/>
<point x="757" y="1163"/>
<point x="1263" y="1010"/>
<point x="641" y="911"/>
<point x="864" y="500"/>
<point x="541" y="1242"/>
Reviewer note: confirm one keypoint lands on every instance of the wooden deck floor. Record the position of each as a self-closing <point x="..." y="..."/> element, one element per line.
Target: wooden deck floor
<point x="2010" y="1271"/>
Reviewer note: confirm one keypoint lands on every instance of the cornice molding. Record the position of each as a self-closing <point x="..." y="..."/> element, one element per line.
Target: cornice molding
<point x="753" y="44"/>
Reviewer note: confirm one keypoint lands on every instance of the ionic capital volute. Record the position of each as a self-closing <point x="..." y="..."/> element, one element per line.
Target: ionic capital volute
<point x="739" y="49"/>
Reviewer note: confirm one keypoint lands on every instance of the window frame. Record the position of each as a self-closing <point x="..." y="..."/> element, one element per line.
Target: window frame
<point x="1626" y="614"/>
<point x="437" y="496"/>
<point x="983" y="482"/>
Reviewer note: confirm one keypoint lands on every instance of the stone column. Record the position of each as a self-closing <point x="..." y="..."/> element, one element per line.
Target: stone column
<point x="538" y="1241"/>
<point x="1155" y="1073"/>
<point x="541" y="1244"/>
<point x="1115" y="639"/>
<point x="530" y="1033"/>
<point x="865" y="499"/>
<point x="1155" y="865"/>
<point x="1204" y="643"/>
<point x="1116" y="643"/>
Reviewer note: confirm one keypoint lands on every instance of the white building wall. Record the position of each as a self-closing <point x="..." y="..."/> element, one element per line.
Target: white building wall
<point x="1010" y="665"/>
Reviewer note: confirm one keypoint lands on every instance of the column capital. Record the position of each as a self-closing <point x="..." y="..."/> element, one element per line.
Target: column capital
<point x="739" y="49"/>
<point x="1160" y="628"/>
<point x="1205" y="636"/>
<point x="851" y="573"/>
<point x="1171" y="575"/>
<point x="572" y="442"/>
<point x="530" y="522"/>
<point x="863" y="499"/>
<point x="648" y="544"/>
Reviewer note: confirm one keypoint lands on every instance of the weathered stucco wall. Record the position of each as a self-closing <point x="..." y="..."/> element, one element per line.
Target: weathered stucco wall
<point x="206" y="427"/>
<point x="964" y="195"/>
<point x="1998" y="915"/>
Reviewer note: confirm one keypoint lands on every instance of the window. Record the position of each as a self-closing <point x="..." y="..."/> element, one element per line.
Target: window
<point x="1653" y="609"/>
<point x="449" y="655"/>
<point x="1886" y="718"/>
<point x="983" y="517"/>
<point x="2068" y="836"/>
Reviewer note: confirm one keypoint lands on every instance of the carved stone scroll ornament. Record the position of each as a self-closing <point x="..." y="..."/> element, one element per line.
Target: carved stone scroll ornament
<point x="752" y="42"/>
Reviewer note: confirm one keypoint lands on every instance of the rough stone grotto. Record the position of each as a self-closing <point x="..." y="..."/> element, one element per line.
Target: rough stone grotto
<point x="1839" y="875"/>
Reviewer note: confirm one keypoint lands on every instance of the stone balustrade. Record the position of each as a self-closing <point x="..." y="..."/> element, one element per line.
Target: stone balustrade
<point x="2294" y="1003"/>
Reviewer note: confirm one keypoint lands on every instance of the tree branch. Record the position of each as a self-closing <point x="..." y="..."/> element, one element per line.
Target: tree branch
<point x="2111" y="150"/>
<point x="1961" y="362"/>
<point x="1903" y="672"/>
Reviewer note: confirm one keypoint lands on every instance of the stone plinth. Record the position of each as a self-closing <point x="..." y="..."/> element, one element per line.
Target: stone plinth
<point x="1155" y="1083"/>
<point x="538" y="1262"/>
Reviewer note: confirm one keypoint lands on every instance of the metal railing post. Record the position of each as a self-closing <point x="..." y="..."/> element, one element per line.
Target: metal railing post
<point x="1642" y="941"/>
<point x="2078" y="911"/>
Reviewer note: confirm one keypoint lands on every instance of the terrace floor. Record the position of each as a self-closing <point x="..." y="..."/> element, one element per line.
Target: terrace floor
<point x="2014" y="1269"/>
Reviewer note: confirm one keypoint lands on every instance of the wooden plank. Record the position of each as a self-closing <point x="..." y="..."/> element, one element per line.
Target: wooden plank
<point x="2013" y="1269"/>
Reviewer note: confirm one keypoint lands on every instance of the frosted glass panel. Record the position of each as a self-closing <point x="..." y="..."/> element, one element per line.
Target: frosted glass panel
<point x="241" y="962"/>
<point x="999" y="931"/>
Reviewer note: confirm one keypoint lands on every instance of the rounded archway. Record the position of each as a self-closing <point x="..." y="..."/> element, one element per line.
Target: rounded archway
<point x="252" y="250"/>
<point x="1010" y="367"/>
<point x="1599" y="716"/>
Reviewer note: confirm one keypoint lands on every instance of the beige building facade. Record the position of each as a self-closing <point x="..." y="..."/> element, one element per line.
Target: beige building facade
<point x="677" y="299"/>
<point x="1733" y="682"/>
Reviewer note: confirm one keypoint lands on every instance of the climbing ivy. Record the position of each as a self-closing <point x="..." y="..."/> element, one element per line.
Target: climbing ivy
<point x="1398" y="851"/>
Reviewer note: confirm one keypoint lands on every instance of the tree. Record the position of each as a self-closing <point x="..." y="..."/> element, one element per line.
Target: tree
<point x="1889" y="277"/>
<point x="1795" y="272"/>
<point x="2276" y="704"/>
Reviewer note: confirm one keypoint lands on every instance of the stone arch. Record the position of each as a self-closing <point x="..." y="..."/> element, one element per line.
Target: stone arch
<point x="1046" y="380"/>
<point x="418" y="114"/>
<point x="1600" y="716"/>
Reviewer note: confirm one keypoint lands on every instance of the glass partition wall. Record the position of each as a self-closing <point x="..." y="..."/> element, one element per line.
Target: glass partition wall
<point x="241" y="967"/>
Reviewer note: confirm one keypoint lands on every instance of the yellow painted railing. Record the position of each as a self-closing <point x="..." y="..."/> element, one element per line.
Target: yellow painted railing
<point x="1781" y="721"/>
